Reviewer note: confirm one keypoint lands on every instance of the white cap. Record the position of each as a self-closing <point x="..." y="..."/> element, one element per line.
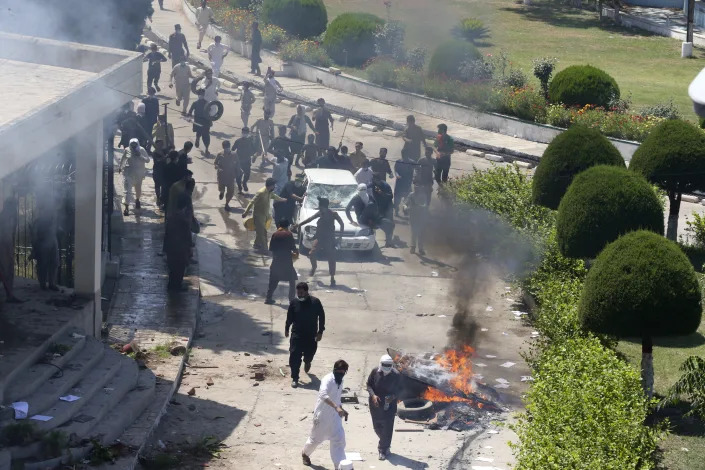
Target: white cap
<point x="346" y="465"/>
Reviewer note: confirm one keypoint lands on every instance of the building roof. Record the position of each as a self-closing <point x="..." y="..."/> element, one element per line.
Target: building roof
<point x="52" y="90"/>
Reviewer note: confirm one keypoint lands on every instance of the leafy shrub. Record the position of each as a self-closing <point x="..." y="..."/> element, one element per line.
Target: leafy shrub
<point x="602" y="203"/>
<point x="389" y="41"/>
<point x="585" y="409"/>
<point x="416" y="58"/>
<point x="505" y="191"/>
<point x="641" y="285"/>
<point x="580" y="85"/>
<point x="238" y="23"/>
<point x="300" y="18"/>
<point x="409" y="79"/>
<point x="305" y="51"/>
<point x="691" y="385"/>
<point x="514" y="79"/>
<point x="382" y="72"/>
<point x="696" y="229"/>
<point x="543" y="69"/>
<point x="350" y="38"/>
<point x="527" y="103"/>
<point x="448" y="57"/>
<point x="469" y="94"/>
<point x="568" y="154"/>
<point x="666" y="110"/>
<point x="558" y="115"/>
<point x="471" y="29"/>
<point x="273" y="36"/>
<point x="473" y="70"/>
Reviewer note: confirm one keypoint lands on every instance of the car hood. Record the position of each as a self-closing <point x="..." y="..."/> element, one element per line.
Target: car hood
<point x="347" y="226"/>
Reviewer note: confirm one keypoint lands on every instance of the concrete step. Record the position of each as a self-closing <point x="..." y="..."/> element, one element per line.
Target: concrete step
<point x="27" y="381"/>
<point x="71" y="374"/>
<point x="91" y="384"/>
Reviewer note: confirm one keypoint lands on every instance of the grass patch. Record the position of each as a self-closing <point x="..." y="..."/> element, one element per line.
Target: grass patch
<point x="18" y="434"/>
<point x="647" y="65"/>
<point x="162" y="351"/>
<point x="58" y="348"/>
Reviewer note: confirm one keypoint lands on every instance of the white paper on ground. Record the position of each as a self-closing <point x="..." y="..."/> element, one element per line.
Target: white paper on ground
<point x="492" y="431"/>
<point x="501" y="386"/>
<point x="490" y="356"/>
<point x="21" y="409"/>
<point x="484" y="329"/>
<point x="501" y="380"/>
<point x="441" y="316"/>
<point x="527" y="378"/>
<point x="477" y="376"/>
<point x="489" y="309"/>
<point x="41" y="417"/>
<point x="69" y="398"/>
<point x="480" y="364"/>
<point x="507" y="364"/>
<point x="354" y="456"/>
<point x="488" y="447"/>
<point x="484" y="459"/>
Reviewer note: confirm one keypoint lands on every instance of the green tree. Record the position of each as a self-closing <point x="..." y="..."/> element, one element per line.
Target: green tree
<point x="300" y="18"/>
<point x="641" y="285"/>
<point x="573" y="151"/>
<point x="673" y="158"/>
<point x="602" y="203"/>
<point x="448" y="58"/>
<point x="350" y="38"/>
<point x="580" y="85"/>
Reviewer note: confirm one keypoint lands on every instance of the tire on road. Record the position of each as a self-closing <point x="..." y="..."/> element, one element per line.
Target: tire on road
<point x="415" y="408"/>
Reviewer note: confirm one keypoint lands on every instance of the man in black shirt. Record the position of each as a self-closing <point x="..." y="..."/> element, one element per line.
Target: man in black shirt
<point x="384" y="198"/>
<point x="307" y="319"/>
<point x="255" y="58"/>
<point x="151" y="111"/>
<point x="324" y="241"/>
<point x="245" y="148"/>
<point x="383" y="386"/>
<point x="292" y="191"/>
<point x="283" y="248"/>
<point x="178" y="47"/>
<point x="380" y="166"/>
<point x="201" y="121"/>
<point x="159" y="157"/>
<point x="154" y="68"/>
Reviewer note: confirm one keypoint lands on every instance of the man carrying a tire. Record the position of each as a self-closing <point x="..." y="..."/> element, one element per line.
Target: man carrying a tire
<point x="383" y="385"/>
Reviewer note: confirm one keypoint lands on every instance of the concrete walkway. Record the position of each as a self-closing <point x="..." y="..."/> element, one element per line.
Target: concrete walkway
<point x="662" y="21"/>
<point x="238" y="67"/>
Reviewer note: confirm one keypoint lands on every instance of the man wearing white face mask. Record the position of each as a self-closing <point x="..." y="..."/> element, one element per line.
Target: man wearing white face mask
<point x="383" y="385"/>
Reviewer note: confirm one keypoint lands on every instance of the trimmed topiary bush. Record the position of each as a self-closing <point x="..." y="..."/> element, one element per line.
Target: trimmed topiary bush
<point x="300" y="18"/>
<point x="573" y="151"/>
<point x="602" y="203"/>
<point x="673" y="157"/>
<point x="448" y="58"/>
<point x="642" y="285"/>
<point x="354" y="33"/>
<point x="580" y="85"/>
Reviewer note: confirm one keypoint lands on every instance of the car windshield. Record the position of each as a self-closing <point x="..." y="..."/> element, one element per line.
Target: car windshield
<point x="338" y="195"/>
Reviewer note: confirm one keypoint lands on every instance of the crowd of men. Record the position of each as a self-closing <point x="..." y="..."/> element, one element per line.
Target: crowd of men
<point x="303" y="143"/>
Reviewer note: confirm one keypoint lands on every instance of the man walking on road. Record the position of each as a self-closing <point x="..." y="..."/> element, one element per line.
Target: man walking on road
<point x="178" y="47"/>
<point x="307" y="321"/>
<point x="424" y="172"/>
<point x="246" y="102"/>
<point x="271" y="88"/>
<point x="264" y="133"/>
<point x="226" y="169"/>
<point x="322" y="119"/>
<point x="132" y="166"/>
<point x="154" y="67"/>
<point x="328" y="417"/>
<point x="413" y="138"/>
<point x="380" y="166"/>
<point x="216" y="54"/>
<point x="201" y="121"/>
<point x="324" y="240"/>
<point x="259" y="206"/>
<point x="358" y="157"/>
<point x="444" y="148"/>
<point x="245" y="148"/>
<point x="181" y="77"/>
<point x="283" y="248"/>
<point x="298" y="125"/>
<point x="255" y="58"/>
<point x="404" y="172"/>
<point x="204" y="15"/>
<point x="417" y="207"/>
<point x="383" y="386"/>
<point x="364" y="175"/>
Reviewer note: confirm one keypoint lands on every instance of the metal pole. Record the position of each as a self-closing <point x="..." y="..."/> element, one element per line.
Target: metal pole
<point x="111" y="191"/>
<point x="691" y="19"/>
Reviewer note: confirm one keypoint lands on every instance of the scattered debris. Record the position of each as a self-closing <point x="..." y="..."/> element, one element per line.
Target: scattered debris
<point x="69" y="398"/>
<point x="177" y="350"/>
<point x="303" y="417"/>
<point x="191" y="392"/>
<point x="209" y="382"/>
<point x="489" y="308"/>
<point x="434" y="274"/>
<point x="527" y="378"/>
<point x="507" y="364"/>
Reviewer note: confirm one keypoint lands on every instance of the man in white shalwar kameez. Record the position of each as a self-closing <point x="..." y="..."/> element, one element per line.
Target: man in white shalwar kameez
<point x="328" y="417"/>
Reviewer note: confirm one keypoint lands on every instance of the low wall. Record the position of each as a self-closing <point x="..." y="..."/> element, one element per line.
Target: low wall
<point x="493" y="122"/>
<point x="631" y="21"/>
<point x="656" y="3"/>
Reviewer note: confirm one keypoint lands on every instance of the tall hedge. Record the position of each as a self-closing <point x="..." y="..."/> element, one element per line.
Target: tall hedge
<point x="571" y="152"/>
<point x="602" y="203"/>
<point x="585" y="409"/>
<point x="641" y="285"/>
<point x="449" y="57"/>
<point x="579" y="85"/>
<point x="672" y="157"/>
<point x="350" y="38"/>
<point x="300" y="18"/>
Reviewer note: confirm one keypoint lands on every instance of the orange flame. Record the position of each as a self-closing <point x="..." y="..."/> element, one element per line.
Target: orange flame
<point x="459" y="363"/>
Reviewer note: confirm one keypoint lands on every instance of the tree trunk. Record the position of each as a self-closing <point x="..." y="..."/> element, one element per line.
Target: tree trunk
<point x="674" y="207"/>
<point x="647" y="366"/>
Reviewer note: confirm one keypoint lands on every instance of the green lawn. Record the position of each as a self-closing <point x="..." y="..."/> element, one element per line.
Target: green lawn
<point x="648" y="66"/>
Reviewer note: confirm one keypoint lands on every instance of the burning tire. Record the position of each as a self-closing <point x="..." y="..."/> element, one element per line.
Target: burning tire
<point x="415" y="408"/>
